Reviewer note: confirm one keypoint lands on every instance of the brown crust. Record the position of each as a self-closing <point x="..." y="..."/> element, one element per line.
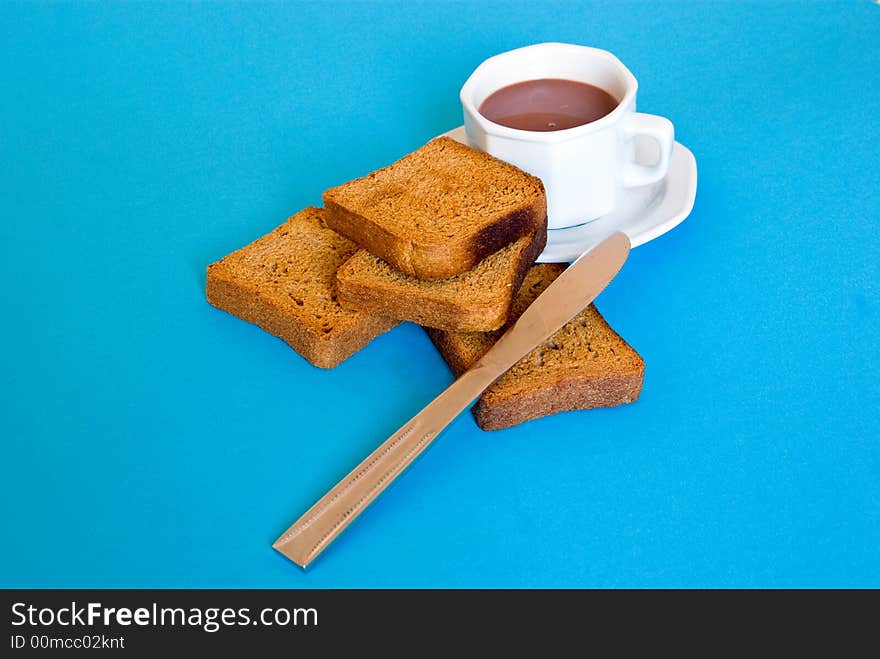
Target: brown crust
<point x="436" y="260"/>
<point x="523" y="221"/>
<point x="237" y="284"/>
<point x="597" y="368"/>
<point x="495" y="412"/>
<point x="366" y="233"/>
<point x="399" y="301"/>
<point x="457" y="361"/>
<point x="433" y="261"/>
<point x="322" y="350"/>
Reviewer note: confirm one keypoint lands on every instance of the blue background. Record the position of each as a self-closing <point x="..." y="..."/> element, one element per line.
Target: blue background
<point x="149" y="439"/>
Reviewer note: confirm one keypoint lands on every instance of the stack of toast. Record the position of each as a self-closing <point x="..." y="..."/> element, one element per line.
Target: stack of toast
<point x="445" y="237"/>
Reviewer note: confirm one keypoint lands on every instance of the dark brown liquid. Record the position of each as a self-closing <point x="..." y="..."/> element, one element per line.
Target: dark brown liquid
<point x="547" y="104"/>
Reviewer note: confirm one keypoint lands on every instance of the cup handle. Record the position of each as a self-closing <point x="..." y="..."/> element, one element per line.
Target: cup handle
<point x="659" y="129"/>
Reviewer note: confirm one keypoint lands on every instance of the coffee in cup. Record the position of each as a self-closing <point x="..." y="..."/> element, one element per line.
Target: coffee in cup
<point x="547" y="104"/>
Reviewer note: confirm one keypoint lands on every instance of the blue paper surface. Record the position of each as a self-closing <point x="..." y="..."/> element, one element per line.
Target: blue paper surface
<point x="149" y="439"/>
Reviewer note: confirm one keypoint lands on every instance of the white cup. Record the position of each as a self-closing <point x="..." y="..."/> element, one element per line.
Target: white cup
<point x="584" y="168"/>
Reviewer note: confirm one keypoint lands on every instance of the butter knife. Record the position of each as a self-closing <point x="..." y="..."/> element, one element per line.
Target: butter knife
<point x="563" y="299"/>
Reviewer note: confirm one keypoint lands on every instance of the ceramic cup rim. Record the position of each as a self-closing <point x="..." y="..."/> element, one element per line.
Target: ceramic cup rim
<point x="624" y="105"/>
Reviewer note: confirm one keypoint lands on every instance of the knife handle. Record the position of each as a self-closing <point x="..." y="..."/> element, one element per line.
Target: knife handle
<point x="563" y="298"/>
<point x="333" y="512"/>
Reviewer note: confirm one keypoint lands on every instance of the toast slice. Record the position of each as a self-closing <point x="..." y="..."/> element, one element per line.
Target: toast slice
<point x="582" y="366"/>
<point x="285" y="282"/>
<point x="440" y="210"/>
<point x="477" y="300"/>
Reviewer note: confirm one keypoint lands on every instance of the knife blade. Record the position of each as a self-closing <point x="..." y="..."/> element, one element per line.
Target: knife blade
<point x="563" y="299"/>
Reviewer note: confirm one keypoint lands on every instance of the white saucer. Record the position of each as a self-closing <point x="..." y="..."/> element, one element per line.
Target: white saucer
<point x="643" y="213"/>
